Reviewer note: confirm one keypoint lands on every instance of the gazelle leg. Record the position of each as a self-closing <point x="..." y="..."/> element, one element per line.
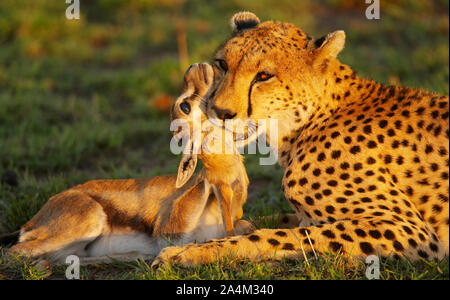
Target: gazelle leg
<point x="242" y="227"/>
<point x="224" y="194"/>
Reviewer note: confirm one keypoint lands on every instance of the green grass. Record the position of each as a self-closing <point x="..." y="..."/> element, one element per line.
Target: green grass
<point x="79" y="101"/>
<point x="327" y="267"/>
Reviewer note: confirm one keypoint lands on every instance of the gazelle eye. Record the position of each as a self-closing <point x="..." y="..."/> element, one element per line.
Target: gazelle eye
<point x="263" y="76"/>
<point x="222" y="64"/>
<point x="185" y="107"/>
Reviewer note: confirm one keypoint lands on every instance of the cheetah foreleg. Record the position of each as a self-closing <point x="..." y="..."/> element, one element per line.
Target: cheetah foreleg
<point x="356" y="238"/>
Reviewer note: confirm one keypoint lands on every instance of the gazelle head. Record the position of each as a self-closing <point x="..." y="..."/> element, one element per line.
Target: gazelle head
<point x="187" y="110"/>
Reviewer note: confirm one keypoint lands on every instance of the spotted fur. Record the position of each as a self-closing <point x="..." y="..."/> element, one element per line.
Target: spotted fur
<point x="366" y="165"/>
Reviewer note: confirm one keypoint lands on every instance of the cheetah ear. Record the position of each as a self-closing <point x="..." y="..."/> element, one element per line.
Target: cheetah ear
<point x="331" y="45"/>
<point x="186" y="168"/>
<point x="243" y="21"/>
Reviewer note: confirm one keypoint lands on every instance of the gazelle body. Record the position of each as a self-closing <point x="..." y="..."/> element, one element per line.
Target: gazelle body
<point x="107" y="217"/>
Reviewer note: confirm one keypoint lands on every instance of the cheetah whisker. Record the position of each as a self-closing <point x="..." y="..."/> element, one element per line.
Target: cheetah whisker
<point x="304" y="254"/>
<point x="310" y="243"/>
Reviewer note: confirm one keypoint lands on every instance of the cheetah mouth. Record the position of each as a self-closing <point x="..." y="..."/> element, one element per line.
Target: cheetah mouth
<point x="243" y="132"/>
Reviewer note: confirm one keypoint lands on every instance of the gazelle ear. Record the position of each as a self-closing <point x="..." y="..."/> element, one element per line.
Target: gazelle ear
<point x="186" y="168"/>
<point x="243" y="21"/>
<point x="330" y="45"/>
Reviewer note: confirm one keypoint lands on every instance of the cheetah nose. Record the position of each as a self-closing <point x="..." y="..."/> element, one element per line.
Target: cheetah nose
<point x="224" y="114"/>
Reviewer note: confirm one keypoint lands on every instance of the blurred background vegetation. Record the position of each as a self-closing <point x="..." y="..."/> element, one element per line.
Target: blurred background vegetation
<point x="89" y="98"/>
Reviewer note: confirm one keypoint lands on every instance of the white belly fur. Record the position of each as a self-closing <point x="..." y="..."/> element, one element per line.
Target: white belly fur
<point x="209" y="226"/>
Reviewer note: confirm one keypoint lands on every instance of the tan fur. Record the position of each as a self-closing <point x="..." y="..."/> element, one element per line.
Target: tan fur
<point x="366" y="165"/>
<point x="126" y="219"/>
<point x="225" y="172"/>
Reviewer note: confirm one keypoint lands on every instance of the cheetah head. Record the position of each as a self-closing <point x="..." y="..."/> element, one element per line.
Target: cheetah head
<point x="269" y="70"/>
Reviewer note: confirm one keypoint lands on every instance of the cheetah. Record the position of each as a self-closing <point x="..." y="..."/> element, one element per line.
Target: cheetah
<point x="365" y="165"/>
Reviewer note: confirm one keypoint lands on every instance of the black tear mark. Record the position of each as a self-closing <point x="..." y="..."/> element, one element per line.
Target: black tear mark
<point x="249" y="109"/>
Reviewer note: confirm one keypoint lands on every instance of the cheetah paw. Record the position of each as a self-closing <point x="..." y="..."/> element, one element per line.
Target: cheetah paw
<point x="166" y="256"/>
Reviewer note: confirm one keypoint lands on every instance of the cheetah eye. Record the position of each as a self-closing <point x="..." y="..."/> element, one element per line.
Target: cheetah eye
<point x="263" y="76"/>
<point x="185" y="107"/>
<point x="222" y="64"/>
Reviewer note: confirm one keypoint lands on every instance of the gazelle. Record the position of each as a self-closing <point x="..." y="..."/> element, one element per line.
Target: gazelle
<point x="126" y="219"/>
